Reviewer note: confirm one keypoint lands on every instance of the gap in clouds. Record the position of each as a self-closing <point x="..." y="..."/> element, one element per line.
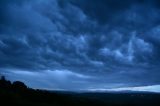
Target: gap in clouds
<point x="50" y="80"/>
<point x="149" y="88"/>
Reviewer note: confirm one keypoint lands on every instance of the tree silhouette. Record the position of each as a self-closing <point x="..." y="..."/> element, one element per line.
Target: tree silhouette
<point x="19" y="85"/>
<point x="3" y="78"/>
<point x="4" y="83"/>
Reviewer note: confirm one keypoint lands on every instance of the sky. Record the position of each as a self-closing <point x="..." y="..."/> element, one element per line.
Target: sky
<point x="81" y="44"/>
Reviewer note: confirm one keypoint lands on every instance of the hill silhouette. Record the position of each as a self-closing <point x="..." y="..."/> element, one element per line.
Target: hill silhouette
<point x="17" y="93"/>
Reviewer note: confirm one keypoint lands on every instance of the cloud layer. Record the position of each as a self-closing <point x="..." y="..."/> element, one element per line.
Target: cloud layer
<point x="116" y="43"/>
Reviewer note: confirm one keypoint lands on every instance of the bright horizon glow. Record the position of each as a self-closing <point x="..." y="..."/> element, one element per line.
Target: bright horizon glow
<point x="150" y="88"/>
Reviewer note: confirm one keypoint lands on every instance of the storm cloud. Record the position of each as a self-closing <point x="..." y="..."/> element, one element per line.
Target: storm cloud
<point x="97" y="43"/>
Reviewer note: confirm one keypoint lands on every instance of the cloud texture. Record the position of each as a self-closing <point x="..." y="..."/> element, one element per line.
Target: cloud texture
<point x="112" y="42"/>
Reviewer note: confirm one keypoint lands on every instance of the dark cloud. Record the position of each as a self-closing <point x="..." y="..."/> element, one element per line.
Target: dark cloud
<point x="113" y="42"/>
<point x="103" y="11"/>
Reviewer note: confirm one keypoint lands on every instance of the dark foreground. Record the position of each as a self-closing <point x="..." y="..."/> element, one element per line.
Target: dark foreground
<point x="19" y="95"/>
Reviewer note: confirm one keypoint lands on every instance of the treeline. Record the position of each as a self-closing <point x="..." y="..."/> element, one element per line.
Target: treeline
<point x="18" y="94"/>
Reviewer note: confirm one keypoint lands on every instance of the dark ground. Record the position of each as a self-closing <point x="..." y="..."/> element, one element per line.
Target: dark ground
<point x="18" y="94"/>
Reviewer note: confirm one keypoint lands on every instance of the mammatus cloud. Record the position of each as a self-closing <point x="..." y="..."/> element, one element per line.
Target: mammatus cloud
<point x="126" y="52"/>
<point x="116" y="43"/>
